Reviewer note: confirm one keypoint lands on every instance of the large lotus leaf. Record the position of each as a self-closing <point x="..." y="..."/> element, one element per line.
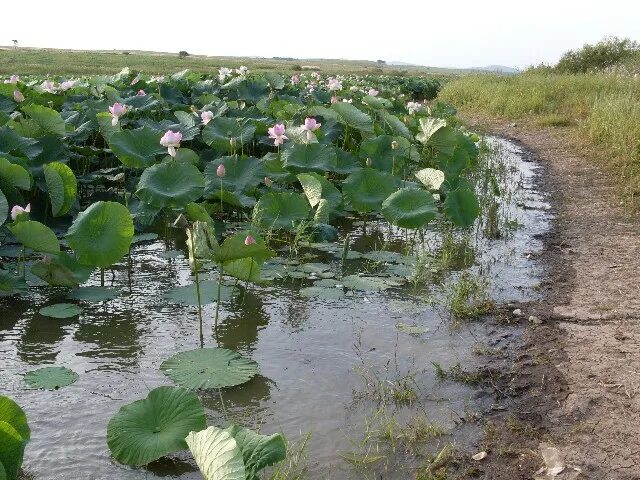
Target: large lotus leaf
<point x="11" y="450"/>
<point x="136" y="148"/>
<point x="4" y="208"/>
<point x="244" y="269"/>
<point x="383" y="156"/>
<point x="461" y="206"/>
<point x="235" y="199"/>
<point x="429" y="126"/>
<point x="258" y="451"/>
<point x="15" y="175"/>
<point x="453" y="165"/>
<point x="281" y="210"/>
<point x="409" y="208"/>
<point x="377" y="103"/>
<point x="217" y="454"/>
<point x="50" y="378"/>
<point x="316" y="188"/>
<point x="145" y="430"/>
<point x="241" y="175"/>
<point x="3" y="472"/>
<point x="102" y="234"/>
<point x="251" y="90"/>
<point x="366" y="189"/>
<point x="61" y="310"/>
<point x="11" y="413"/>
<point x="36" y="236"/>
<point x="346" y="163"/>
<point x="207" y="368"/>
<point x="11" y="284"/>
<point x="306" y="157"/>
<point x="62" y="187"/>
<point x="444" y="141"/>
<point x="11" y="142"/>
<point x="221" y="131"/>
<point x="47" y="119"/>
<point x="353" y="117"/>
<point x="275" y="80"/>
<point x="396" y="125"/>
<point x="234" y="248"/>
<point x="430" y="178"/>
<point x="170" y="184"/>
<point x="106" y="128"/>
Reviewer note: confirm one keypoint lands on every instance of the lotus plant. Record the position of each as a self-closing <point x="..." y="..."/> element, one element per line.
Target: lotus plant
<point x="277" y="133"/>
<point x="141" y="93"/>
<point x="48" y="86"/>
<point x="373" y="92"/>
<point x="223" y="73"/>
<point x="295" y="79"/>
<point x="171" y="140"/>
<point x="334" y="84"/>
<point x="13" y="79"/>
<point x="18" y="96"/>
<point x="66" y="85"/>
<point x="206" y="116"/>
<point x="310" y="125"/>
<point x="117" y="110"/>
<point x="242" y="70"/>
<point x="17" y="210"/>
<point x="413" y="107"/>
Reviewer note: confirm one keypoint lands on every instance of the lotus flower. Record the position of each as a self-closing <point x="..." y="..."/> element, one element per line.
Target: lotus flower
<point x="18" y="210"/>
<point x="66" y="85"/>
<point x="171" y="140"/>
<point x="13" y="79"/>
<point x="373" y="92"/>
<point x="268" y="182"/>
<point x="413" y="107"/>
<point x="334" y="84"/>
<point x="158" y="78"/>
<point x="117" y="110"/>
<point x="18" y="96"/>
<point x="295" y="79"/>
<point x="48" y="86"/>
<point x="206" y="116"/>
<point x="141" y="93"/>
<point x="249" y="240"/>
<point x="334" y="99"/>
<point x="223" y="73"/>
<point x="221" y="171"/>
<point x="310" y="125"/>
<point x="242" y="70"/>
<point x="277" y="133"/>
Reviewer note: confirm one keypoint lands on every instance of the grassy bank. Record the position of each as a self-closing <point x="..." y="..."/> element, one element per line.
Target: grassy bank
<point x="600" y="111"/>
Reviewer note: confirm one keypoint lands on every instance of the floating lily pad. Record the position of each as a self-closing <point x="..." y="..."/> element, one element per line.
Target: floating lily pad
<point x="326" y="283"/>
<point x="365" y="284"/>
<point x="388" y="257"/>
<point x="94" y="294"/>
<point x="325" y="293"/>
<point x="50" y="378"/>
<point x="207" y="368"/>
<point x="188" y="295"/>
<point x="61" y="310"/>
<point x="296" y="274"/>
<point x="148" y="429"/>
<point x="315" y="267"/>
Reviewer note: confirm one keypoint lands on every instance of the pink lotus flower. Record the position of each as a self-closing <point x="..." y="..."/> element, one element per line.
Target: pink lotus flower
<point x="413" y="107"/>
<point x="249" y="240"/>
<point x="223" y="73"/>
<point x="48" y="86"/>
<point x="242" y="70"/>
<point x="373" y="92"/>
<point x="295" y="79"/>
<point x="334" y="99"/>
<point x="117" y="110"/>
<point x="13" y="79"/>
<point x="334" y="84"/>
<point x="141" y="93"/>
<point x="171" y="140"/>
<point x="18" y="210"/>
<point x="221" y="171"/>
<point x="268" y="182"/>
<point x="206" y="116"/>
<point x="66" y="85"/>
<point x="18" y="96"/>
<point x="277" y="133"/>
<point x="310" y="125"/>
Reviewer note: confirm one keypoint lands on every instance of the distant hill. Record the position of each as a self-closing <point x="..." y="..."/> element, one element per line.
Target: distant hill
<point x="497" y="69"/>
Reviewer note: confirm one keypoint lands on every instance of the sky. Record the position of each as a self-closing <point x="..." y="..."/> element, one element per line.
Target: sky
<point x="442" y="33"/>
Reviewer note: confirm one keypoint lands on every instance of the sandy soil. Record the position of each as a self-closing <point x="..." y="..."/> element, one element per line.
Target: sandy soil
<point x="576" y="382"/>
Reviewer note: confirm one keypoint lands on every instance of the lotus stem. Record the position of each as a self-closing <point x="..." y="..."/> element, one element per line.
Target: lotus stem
<point x="215" y="327"/>
<point x="345" y="251"/>
<point x="102" y="276"/>
<point x="195" y="266"/>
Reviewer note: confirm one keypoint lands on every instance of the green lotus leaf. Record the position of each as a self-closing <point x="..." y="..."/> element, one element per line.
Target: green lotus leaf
<point x="93" y="294"/>
<point x="241" y="175"/>
<point x="275" y="80"/>
<point x="377" y="103"/>
<point x="310" y="157"/>
<point x="102" y="234"/>
<point x="353" y="117"/>
<point x="244" y="269"/>
<point x="409" y="208"/>
<point x="50" y="378"/>
<point x="325" y="293"/>
<point x="397" y="126"/>
<point x="429" y="126"/>
<point x="188" y="294"/>
<point x="258" y="451"/>
<point x="444" y="141"/>
<point x="11" y="413"/>
<point x="15" y="175"/>
<point x="104" y="120"/>
<point x="11" y="284"/>
<point x="207" y="368"/>
<point x="317" y="188"/>
<point x="136" y="148"/>
<point x="170" y="184"/>
<point x="217" y="454"/>
<point x="234" y="248"/>
<point x="11" y="450"/>
<point x="62" y="187"/>
<point x="220" y="132"/>
<point x="382" y="154"/>
<point x="47" y="119"/>
<point x="430" y="178"/>
<point x="365" y="284"/>
<point x="4" y="208"/>
<point x="61" y="310"/>
<point x="147" y="429"/>
<point x="61" y="270"/>
<point x="36" y="236"/>
<point x="461" y="207"/>
<point x="366" y="189"/>
<point x="281" y="210"/>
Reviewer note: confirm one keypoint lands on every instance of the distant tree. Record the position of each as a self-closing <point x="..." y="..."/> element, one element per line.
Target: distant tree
<point x="381" y="62"/>
<point x="15" y="43"/>
<point x="183" y="53"/>
<point x="607" y="53"/>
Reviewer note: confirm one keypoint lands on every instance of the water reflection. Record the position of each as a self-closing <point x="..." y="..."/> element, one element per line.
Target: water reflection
<point x="41" y="338"/>
<point x="239" y="330"/>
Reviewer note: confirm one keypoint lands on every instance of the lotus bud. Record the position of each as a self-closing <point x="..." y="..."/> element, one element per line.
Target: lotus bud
<point x="369" y="162"/>
<point x="141" y="93"/>
<point x="221" y="171"/>
<point x="232" y="142"/>
<point x="18" y="210"/>
<point x="394" y="145"/>
<point x="249" y="240"/>
<point x="18" y="96"/>
<point x="117" y="110"/>
<point x="373" y="92"/>
<point x="206" y="117"/>
<point x="171" y="140"/>
<point x="268" y="182"/>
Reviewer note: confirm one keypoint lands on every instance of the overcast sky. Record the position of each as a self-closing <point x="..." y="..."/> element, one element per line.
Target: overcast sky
<point x="446" y="33"/>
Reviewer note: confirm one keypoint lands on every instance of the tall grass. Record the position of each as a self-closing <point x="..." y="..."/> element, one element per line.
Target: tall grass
<point x="604" y="109"/>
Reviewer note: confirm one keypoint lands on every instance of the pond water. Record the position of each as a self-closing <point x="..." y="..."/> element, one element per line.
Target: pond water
<point x="332" y="370"/>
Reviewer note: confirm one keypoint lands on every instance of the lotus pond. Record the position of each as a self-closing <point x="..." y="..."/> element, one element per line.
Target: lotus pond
<point x="250" y="276"/>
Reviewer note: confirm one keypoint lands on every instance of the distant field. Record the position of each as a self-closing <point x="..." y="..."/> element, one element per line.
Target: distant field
<point x="71" y="62"/>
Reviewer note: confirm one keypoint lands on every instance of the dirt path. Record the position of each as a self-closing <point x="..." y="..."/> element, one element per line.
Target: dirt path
<point x="577" y="379"/>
